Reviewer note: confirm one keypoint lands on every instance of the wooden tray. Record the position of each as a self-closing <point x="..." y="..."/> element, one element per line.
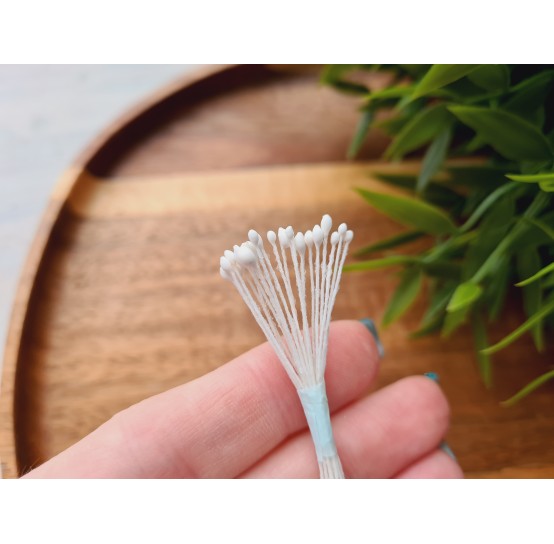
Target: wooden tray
<point x="121" y="296"/>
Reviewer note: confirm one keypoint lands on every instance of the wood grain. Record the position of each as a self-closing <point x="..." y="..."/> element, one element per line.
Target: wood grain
<point x="121" y="297"/>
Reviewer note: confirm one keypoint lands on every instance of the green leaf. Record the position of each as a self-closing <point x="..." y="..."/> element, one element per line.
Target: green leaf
<point x="522" y="329"/>
<point x="477" y="177"/>
<point x="536" y="236"/>
<point x="435" y="193"/>
<point x="475" y="144"/>
<point x="450" y="246"/>
<point x="443" y="269"/>
<point x="333" y="75"/>
<point x="434" y="158"/>
<point x="548" y="282"/>
<point x="390" y="92"/>
<point x="465" y="295"/>
<point x="404" y="296"/>
<point x="486" y="204"/>
<point x="362" y="129"/>
<point x="385" y="262"/>
<point x="532" y="178"/>
<point x="529" y="388"/>
<point x="333" y="72"/>
<point x="393" y="125"/>
<point x="549" y="231"/>
<point x="389" y="243"/>
<point x="440" y="75"/>
<point x="510" y="135"/>
<point x="495" y="295"/>
<point x="542" y="272"/>
<point x="502" y="250"/>
<point x="465" y="91"/>
<point x="481" y="343"/>
<point x="419" y="130"/>
<point x="528" y="97"/>
<point x="434" y="316"/>
<point x="349" y="87"/>
<point x="538" y="80"/>
<point x="528" y="263"/>
<point x="492" y="232"/>
<point x="547" y="186"/>
<point x="414" y="70"/>
<point x="411" y="212"/>
<point x="529" y="168"/>
<point x="491" y="77"/>
<point x="454" y="320"/>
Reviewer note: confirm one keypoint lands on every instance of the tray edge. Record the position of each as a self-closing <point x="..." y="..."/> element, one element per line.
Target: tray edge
<point x="9" y="466"/>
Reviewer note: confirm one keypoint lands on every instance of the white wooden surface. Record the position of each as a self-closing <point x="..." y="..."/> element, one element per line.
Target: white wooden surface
<point x="48" y="113"/>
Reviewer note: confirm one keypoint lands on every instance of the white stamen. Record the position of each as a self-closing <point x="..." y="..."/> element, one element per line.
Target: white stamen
<point x="246" y="256"/>
<point x="254" y="237"/>
<point x="294" y="312"/>
<point x="326" y="224"/>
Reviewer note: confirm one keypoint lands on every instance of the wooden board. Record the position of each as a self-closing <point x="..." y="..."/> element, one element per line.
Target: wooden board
<point x="121" y="296"/>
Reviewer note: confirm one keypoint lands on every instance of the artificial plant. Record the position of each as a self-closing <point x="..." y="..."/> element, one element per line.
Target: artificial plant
<point x="491" y="222"/>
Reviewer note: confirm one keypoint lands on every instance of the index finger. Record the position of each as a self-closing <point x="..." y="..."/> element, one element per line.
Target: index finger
<point x="220" y="424"/>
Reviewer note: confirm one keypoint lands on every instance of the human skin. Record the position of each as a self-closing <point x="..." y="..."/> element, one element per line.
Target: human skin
<point x="244" y="420"/>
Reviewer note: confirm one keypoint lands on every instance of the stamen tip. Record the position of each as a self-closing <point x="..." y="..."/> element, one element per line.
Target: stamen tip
<point x="326" y="223"/>
<point x="300" y="243"/>
<point x="254" y="237"/>
<point x="246" y="256"/>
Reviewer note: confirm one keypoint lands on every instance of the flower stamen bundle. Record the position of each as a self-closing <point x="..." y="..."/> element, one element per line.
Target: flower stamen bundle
<point x="291" y="290"/>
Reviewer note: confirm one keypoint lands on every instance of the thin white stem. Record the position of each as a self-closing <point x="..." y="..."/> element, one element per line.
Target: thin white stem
<point x="298" y="332"/>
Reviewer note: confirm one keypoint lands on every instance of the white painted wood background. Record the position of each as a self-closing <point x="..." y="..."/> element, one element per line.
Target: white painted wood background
<point x="48" y="114"/>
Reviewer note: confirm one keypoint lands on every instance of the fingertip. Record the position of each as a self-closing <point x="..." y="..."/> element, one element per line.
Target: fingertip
<point x="356" y="339"/>
<point x="429" y="397"/>
<point x="352" y="359"/>
<point x="436" y="465"/>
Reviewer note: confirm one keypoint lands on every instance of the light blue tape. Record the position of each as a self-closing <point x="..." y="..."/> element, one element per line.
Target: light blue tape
<point x="316" y="408"/>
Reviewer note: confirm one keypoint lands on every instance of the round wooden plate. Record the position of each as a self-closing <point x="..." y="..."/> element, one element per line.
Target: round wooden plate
<point x="121" y="296"/>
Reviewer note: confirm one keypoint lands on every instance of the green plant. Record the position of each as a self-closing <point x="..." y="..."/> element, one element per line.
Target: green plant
<point x="492" y="222"/>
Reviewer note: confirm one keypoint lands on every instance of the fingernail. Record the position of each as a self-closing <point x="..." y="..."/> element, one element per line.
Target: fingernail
<point x="432" y="376"/>
<point x="446" y="449"/>
<point x="443" y="445"/>
<point x="370" y="326"/>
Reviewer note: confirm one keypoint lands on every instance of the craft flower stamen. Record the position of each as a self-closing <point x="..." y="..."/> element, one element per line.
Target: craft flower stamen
<point x="291" y="290"/>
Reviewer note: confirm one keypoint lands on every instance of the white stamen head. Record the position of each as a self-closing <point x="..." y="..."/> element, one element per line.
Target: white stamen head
<point x="229" y="255"/>
<point x="254" y="237"/>
<point x="283" y="238"/>
<point x="342" y="228"/>
<point x="225" y="275"/>
<point x="271" y="236"/>
<point x="309" y="238"/>
<point x="225" y="264"/>
<point x="290" y="233"/>
<point x="335" y="238"/>
<point x="349" y="236"/>
<point x="318" y="235"/>
<point x="326" y="224"/>
<point x="246" y="256"/>
<point x="299" y="243"/>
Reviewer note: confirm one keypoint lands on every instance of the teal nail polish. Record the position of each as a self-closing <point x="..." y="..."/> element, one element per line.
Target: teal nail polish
<point x="443" y="445"/>
<point x="432" y="376"/>
<point x="446" y="449"/>
<point x="370" y="326"/>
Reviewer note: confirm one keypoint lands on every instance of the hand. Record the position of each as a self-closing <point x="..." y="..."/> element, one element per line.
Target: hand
<point x="244" y="420"/>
